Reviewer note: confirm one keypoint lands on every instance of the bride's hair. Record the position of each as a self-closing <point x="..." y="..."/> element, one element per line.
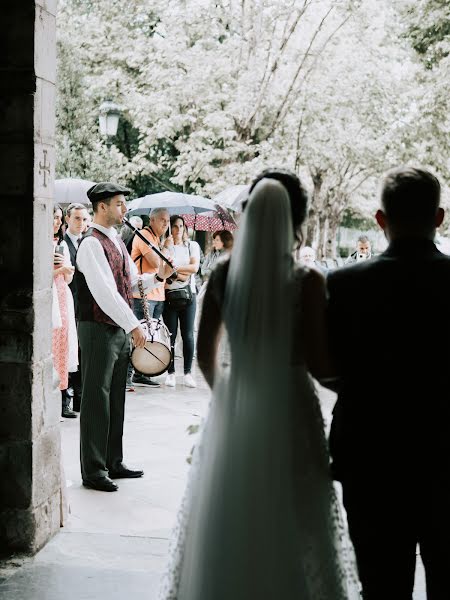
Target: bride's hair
<point x="297" y="193"/>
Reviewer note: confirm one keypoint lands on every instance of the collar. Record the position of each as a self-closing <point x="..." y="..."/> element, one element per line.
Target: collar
<point x="111" y="232"/>
<point x="411" y="247"/>
<point x="73" y="238"/>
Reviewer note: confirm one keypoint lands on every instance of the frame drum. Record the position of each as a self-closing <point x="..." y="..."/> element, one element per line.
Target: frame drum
<point x="154" y="358"/>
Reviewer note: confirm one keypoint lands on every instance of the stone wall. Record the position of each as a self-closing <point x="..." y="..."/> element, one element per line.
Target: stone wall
<point x="29" y="401"/>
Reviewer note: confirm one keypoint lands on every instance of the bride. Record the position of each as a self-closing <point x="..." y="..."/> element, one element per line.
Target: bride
<point x="259" y="520"/>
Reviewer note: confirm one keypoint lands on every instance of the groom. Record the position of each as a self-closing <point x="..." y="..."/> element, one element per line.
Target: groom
<point x="389" y="440"/>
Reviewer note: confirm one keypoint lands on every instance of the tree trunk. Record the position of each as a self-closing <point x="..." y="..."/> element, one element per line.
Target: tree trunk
<point x="333" y="225"/>
<point x="321" y="246"/>
<point x="309" y="229"/>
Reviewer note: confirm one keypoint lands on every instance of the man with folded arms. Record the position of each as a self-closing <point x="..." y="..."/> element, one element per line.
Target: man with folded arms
<point x="106" y="279"/>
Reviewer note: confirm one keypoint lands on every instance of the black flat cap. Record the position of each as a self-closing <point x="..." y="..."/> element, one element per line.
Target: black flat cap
<point x="105" y="189"/>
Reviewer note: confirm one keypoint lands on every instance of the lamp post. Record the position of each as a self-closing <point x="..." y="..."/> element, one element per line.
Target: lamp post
<point x="109" y="120"/>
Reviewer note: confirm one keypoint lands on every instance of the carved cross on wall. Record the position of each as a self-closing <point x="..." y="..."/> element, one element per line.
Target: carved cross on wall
<point x="44" y="168"/>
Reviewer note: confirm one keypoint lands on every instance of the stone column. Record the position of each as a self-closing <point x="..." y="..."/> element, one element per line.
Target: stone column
<point x="30" y="405"/>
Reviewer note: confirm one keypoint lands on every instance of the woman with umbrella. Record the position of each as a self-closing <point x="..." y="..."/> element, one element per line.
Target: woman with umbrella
<point x="180" y="304"/>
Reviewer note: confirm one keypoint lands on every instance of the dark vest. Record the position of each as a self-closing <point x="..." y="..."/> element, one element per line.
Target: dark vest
<point x="73" y="260"/>
<point x="88" y="309"/>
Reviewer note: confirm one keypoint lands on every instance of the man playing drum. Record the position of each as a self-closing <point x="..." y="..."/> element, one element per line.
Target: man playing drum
<point x="106" y="279"/>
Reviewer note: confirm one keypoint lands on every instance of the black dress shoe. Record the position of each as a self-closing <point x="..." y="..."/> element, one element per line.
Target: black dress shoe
<point x="69" y="414"/>
<point x="76" y="404"/>
<point x="103" y="484"/>
<point x="123" y="472"/>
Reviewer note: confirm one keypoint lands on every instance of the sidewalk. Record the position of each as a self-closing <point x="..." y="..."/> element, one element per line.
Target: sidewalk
<point x="114" y="545"/>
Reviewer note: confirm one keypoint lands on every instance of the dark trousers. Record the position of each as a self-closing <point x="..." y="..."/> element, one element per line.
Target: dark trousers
<point x="75" y="384"/>
<point x="387" y="521"/>
<point x="186" y="317"/>
<point x="105" y="352"/>
<point x="155" y="308"/>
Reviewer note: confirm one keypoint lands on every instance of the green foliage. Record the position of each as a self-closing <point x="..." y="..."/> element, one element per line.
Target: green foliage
<point x="353" y="219"/>
<point x="213" y="92"/>
<point x="429" y="30"/>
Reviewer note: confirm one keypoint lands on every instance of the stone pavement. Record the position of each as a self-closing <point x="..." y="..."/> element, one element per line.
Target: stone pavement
<point x="114" y="545"/>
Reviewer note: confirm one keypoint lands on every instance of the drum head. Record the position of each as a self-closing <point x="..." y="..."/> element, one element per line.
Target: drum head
<point x="153" y="359"/>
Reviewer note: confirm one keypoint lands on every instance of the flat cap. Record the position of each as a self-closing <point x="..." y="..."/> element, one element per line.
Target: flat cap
<point x="105" y="189"/>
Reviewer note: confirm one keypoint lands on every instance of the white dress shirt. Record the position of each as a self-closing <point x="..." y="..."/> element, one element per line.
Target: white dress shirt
<point x="92" y="262"/>
<point x="73" y="238"/>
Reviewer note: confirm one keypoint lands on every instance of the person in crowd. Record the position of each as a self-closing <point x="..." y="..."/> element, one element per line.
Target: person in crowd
<point x="389" y="436"/>
<point x="76" y="219"/>
<point x="127" y="234"/>
<point x="307" y="256"/>
<point x="363" y="250"/>
<point x="64" y="336"/>
<point x="222" y="243"/>
<point x="260" y="519"/>
<point x="198" y="276"/>
<point x="87" y="223"/>
<point x="180" y="304"/>
<point x="148" y="261"/>
<point x="106" y="278"/>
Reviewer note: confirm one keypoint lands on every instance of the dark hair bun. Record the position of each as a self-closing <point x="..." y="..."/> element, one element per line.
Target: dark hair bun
<point x="294" y="187"/>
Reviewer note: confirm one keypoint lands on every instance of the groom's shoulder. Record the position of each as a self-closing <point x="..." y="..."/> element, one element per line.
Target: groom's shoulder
<point x="356" y="270"/>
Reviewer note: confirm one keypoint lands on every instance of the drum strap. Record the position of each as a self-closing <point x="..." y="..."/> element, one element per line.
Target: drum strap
<point x="144" y="303"/>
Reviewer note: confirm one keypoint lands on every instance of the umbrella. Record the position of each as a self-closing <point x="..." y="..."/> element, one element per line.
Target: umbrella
<point x="176" y="203"/>
<point x="199" y="213"/>
<point x="232" y="197"/>
<point x="211" y="221"/>
<point x="70" y="191"/>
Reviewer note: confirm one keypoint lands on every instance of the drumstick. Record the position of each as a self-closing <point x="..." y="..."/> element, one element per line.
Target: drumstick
<point x="157" y="357"/>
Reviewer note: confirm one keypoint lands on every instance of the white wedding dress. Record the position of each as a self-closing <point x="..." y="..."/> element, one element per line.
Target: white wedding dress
<point x="259" y="519"/>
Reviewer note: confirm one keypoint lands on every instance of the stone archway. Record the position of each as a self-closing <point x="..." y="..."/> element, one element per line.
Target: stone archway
<point x="29" y="405"/>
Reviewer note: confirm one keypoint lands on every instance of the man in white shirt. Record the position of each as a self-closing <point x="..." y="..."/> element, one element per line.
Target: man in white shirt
<point x="76" y="219"/>
<point x="106" y="277"/>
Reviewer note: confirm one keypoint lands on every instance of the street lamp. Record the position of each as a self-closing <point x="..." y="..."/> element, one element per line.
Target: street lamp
<point x="109" y="120"/>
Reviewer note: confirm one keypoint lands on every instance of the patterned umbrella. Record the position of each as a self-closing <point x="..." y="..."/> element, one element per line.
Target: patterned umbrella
<point x="208" y="222"/>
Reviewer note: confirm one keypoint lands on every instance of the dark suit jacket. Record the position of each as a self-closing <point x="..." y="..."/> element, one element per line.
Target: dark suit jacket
<point x="73" y="257"/>
<point x="389" y="323"/>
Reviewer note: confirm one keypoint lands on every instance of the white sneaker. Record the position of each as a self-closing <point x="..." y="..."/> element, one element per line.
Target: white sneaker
<point x="189" y="381"/>
<point x="170" y="380"/>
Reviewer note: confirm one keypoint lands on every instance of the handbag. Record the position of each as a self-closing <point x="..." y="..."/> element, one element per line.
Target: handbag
<point x="179" y="298"/>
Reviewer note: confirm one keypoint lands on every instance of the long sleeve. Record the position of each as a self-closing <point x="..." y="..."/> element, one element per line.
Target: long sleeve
<point x="148" y="279"/>
<point x="92" y="262"/>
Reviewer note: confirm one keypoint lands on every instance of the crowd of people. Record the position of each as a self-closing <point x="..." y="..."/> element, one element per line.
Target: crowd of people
<point x="170" y="235"/>
<point x="260" y="517"/>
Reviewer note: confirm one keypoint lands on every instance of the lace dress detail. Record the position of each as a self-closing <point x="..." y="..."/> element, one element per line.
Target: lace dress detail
<point x="60" y="336"/>
<point x="295" y="544"/>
